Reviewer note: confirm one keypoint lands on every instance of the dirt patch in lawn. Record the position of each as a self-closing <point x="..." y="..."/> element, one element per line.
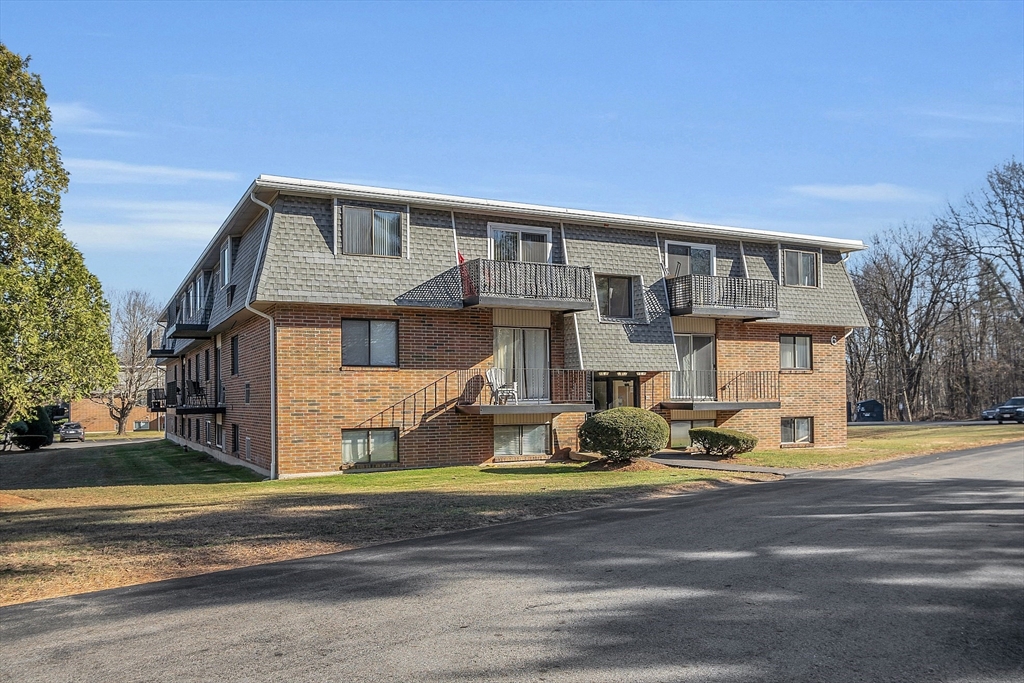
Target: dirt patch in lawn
<point x="9" y="499"/>
<point x="634" y="466"/>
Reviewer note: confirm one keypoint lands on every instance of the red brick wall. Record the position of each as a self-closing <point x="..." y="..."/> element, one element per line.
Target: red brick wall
<point x="95" y="417"/>
<point x="253" y="419"/>
<point x="317" y="397"/>
<point x="819" y="393"/>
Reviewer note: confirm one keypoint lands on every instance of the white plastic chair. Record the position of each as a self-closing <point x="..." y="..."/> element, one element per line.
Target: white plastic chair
<point x="500" y="390"/>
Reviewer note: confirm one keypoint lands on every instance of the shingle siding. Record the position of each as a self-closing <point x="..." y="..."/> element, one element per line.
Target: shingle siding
<point x="834" y="303"/>
<point x="640" y="346"/>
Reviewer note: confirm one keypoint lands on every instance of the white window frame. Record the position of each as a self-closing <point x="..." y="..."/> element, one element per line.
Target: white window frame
<point x="698" y="245"/>
<point x="225" y="263"/>
<point x="520" y="454"/>
<point x="817" y="267"/>
<point x="512" y="227"/>
<point x="339" y="224"/>
<point x="369" y="439"/>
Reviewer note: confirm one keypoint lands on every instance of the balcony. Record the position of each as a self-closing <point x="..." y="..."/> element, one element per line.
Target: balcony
<point x="194" y="397"/>
<point x="723" y="297"/>
<point x="519" y="284"/>
<point x="714" y="390"/>
<point x="156" y="400"/>
<point x="492" y="391"/>
<point x="157" y="345"/>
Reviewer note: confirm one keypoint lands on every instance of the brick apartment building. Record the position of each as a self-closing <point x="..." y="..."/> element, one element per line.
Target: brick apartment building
<point x="330" y="326"/>
<point x="95" y="417"/>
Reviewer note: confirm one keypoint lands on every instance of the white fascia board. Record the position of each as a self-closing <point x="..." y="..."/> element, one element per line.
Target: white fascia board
<point x="557" y="214"/>
<point x="213" y="245"/>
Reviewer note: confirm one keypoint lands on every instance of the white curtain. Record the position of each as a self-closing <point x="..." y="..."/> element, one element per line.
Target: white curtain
<point x="523" y="354"/>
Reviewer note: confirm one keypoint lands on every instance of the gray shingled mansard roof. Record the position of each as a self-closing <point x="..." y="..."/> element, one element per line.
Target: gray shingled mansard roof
<point x="299" y="262"/>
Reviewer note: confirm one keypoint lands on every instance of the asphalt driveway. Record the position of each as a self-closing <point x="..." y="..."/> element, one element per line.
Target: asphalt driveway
<point x="905" y="571"/>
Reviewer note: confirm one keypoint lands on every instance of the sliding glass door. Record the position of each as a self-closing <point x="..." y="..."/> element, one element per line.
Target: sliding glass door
<point x="696" y="376"/>
<point x="522" y="353"/>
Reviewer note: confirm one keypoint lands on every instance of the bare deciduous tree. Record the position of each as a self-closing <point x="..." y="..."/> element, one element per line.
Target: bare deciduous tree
<point x="133" y="317"/>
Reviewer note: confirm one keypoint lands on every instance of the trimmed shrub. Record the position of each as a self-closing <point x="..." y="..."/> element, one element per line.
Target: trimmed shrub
<point x="720" y="441"/>
<point x="624" y="433"/>
<point x="33" y="434"/>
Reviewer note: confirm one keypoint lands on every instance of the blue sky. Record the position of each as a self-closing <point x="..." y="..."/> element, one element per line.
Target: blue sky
<point x="839" y="119"/>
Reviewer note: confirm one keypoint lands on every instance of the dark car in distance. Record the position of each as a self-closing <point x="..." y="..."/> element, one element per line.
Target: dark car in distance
<point x="1008" y="411"/>
<point x="990" y="413"/>
<point x="72" y="431"/>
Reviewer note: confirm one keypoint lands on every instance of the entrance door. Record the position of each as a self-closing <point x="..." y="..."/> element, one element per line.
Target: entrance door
<point x="696" y="376"/>
<point x="614" y="392"/>
<point x="522" y="352"/>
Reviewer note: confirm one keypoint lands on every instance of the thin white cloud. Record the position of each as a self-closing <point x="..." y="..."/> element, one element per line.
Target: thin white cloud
<point x="146" y="226"/>
<point x="995" y="117"/>
<point x="879" y="192"/>
<point x="103" y="172"/>
<point x="75" y="117"/>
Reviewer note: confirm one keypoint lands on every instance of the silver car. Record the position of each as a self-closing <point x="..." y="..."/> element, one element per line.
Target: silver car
<point x="72" y="431"/>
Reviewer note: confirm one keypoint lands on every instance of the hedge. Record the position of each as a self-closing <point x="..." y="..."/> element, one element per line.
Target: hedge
<point x="624" y="433"/>
<point x="720" y="441"/>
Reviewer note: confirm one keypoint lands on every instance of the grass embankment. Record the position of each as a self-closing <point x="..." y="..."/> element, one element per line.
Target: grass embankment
<point x="867" y="444"/>
<point x="114" y="436"/>
<point x="85" y="519"/>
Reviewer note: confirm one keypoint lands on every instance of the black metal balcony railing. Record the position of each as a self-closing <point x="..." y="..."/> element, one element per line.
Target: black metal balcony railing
<point x="506" y="282"/>
<point x="524" y="386"/>
<point x="157" y="345"/>
<point x="195" y="396"/>
<point x="706" y="386"/>
<point x="156" y="400"/>
<point x="710" y="293"/>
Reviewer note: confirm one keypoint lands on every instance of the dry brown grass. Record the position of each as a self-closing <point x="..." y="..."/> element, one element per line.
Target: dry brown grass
<point x="58" y="539"/>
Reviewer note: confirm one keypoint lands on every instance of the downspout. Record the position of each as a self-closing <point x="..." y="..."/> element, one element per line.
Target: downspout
<point x="273" y="356"/>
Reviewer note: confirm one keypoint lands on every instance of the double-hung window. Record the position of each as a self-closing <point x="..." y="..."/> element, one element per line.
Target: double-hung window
<point x="797" y="430"/>
<point x="795" y="352"/>
<point x="371" y="232"/>
<point x="614" y="296"/>
<point x="225" y="262"/>
<point x="801" y="268"/>
<point x="360" y="446"/>
<point x="369" y="342"/>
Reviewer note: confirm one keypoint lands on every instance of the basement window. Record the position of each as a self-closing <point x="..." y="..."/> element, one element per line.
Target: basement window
<point x="363" y="446"/>
<point x="797" y="430"/>
<point x="521" y="439"/>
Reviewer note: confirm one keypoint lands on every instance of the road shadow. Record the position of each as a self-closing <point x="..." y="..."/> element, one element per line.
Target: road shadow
<point x="803" y="579"/>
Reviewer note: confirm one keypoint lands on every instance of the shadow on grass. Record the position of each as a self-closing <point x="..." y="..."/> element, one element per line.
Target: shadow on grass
<point x="805" y="579"/>
<point x="116" y="464"/>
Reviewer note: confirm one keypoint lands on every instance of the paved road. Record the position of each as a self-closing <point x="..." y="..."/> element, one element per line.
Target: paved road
<point x="908" y="571"/>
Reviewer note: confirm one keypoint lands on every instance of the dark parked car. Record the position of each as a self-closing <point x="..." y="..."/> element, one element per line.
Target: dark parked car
<point x="869" y="411"/>
<point x="1008" y="411"/>
<point x="72" y="431"/>
<point x="1019" y="415"/>
<point x="990" y="413"/>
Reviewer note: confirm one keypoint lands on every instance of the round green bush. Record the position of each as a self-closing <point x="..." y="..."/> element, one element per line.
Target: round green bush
<point x="722" y="442"/>
<point x="624" y="433"/>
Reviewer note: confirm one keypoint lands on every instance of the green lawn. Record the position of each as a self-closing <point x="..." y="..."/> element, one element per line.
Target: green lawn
<point x="84" y="519"/>
<point x="110" y="436"/>
<point x="866" y="444"/>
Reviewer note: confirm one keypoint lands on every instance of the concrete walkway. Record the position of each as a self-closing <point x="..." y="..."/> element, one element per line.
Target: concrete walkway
<point x="696" y="462"/>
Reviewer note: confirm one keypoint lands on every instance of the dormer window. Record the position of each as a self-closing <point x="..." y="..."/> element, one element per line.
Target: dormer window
<point x="614" y="296"/>
<point x="519" y="243"/>
<point x="225" y="262"/>
<point x="801" y="268"/>
<point x="371" y="232"/>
